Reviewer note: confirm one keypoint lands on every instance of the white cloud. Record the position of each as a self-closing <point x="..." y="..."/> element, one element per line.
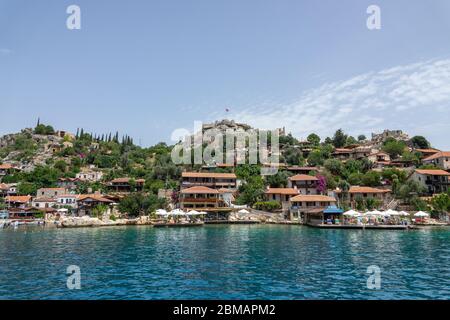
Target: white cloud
<point x="403" y="97"/>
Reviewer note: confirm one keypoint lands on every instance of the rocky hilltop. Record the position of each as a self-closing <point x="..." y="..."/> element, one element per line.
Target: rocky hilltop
<point x="27" y="150"/>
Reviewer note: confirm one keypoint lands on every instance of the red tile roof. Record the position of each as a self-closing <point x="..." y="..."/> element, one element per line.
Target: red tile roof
<point x="199" y="190"/>
<point x="127" y="180"/>
<point x="208" y="175"/>
<point x="437" y="155"/>
<point x="312" y="198"/>
<point x="225" y="190"/>
<point x="433" y="172"/>
<point x="96" y="197"/>
<point x="19" y="199"/>
<point x="303" y="177"/>
<point x="342" y="150"/>
<point x="356" y="189"/>
<point x="44" y="199"/>
<point x="283" y="191"/>
<point x="5" y="166"/>
<point x="427" y="150"/>
<point x="297" y="168"/>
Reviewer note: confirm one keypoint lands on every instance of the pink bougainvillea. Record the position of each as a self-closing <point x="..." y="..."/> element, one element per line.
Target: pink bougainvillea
<point x="321" y="184"/>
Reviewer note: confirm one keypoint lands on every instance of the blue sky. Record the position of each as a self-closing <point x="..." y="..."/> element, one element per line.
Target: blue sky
<point x="146" y="68"/>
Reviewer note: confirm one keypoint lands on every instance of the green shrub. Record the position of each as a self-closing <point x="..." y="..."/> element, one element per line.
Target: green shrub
<point x="267" y="206"/>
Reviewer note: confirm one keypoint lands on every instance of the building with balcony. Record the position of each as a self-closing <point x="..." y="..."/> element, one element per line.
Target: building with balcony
<point x="425" y="153"/>
<point x="432" y="180"/>
<point x="440" y="159"/>
<point x="67" y="200"/>
<point x="304" y="183"/>
<point x="21" y="202"/>
<point x="202" y="198"/>
<point x="88" y="202"/>
<point x="208" y="179"/>
<point x="126" y="185"/>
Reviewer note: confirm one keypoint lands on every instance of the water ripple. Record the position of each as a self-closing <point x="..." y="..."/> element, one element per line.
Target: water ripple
<point x="224" y="262"/>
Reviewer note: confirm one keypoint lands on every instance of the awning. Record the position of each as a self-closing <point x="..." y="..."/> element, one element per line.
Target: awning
<point x="333" y="210"/>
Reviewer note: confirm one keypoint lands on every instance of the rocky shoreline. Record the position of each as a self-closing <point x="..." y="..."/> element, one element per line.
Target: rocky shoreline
<point x="84" y="222"/>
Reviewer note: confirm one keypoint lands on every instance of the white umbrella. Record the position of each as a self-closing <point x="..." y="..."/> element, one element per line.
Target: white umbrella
<point x="193" y="213"/>
<point x="421" y="214"/>
<point x="243" y="211"/>
<point x="393" y="213"/>
<point x="351" y="213"/>
<point x="203" y="213"/>
<point x="404" y="213"/>
<point x="178" y="212"/>
<point x="374" y="213"/>
<point x="161" y="212"/>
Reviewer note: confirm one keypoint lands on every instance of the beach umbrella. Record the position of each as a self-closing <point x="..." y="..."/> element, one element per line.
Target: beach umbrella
<point x="421" y="214"/>
<point x="193" y="213"/>
<point x="177" y="212"/>
<point x="161" y="212"/>
<point x="374" y="213"/>
<point x="243" y="211"/>
<point x="392" y="212"/>
<point x="351" y="213"/>
<point x="404" y="213"/>
<point x="202" y="213"/>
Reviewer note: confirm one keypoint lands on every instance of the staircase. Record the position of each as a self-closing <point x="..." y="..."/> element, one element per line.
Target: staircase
<point x="393" y="204"/>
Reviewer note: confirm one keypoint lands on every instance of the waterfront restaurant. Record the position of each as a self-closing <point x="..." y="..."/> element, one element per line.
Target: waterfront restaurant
<point x="199" y="198"/>
<point x="306" y="208"/>
<point x="204" y="199"/>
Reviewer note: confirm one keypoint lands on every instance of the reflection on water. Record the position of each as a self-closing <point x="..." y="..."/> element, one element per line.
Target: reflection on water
<point x="224" y="262"/>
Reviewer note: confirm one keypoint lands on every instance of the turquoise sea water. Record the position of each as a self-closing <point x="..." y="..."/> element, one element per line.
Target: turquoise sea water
<point x="224" y="262"/>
